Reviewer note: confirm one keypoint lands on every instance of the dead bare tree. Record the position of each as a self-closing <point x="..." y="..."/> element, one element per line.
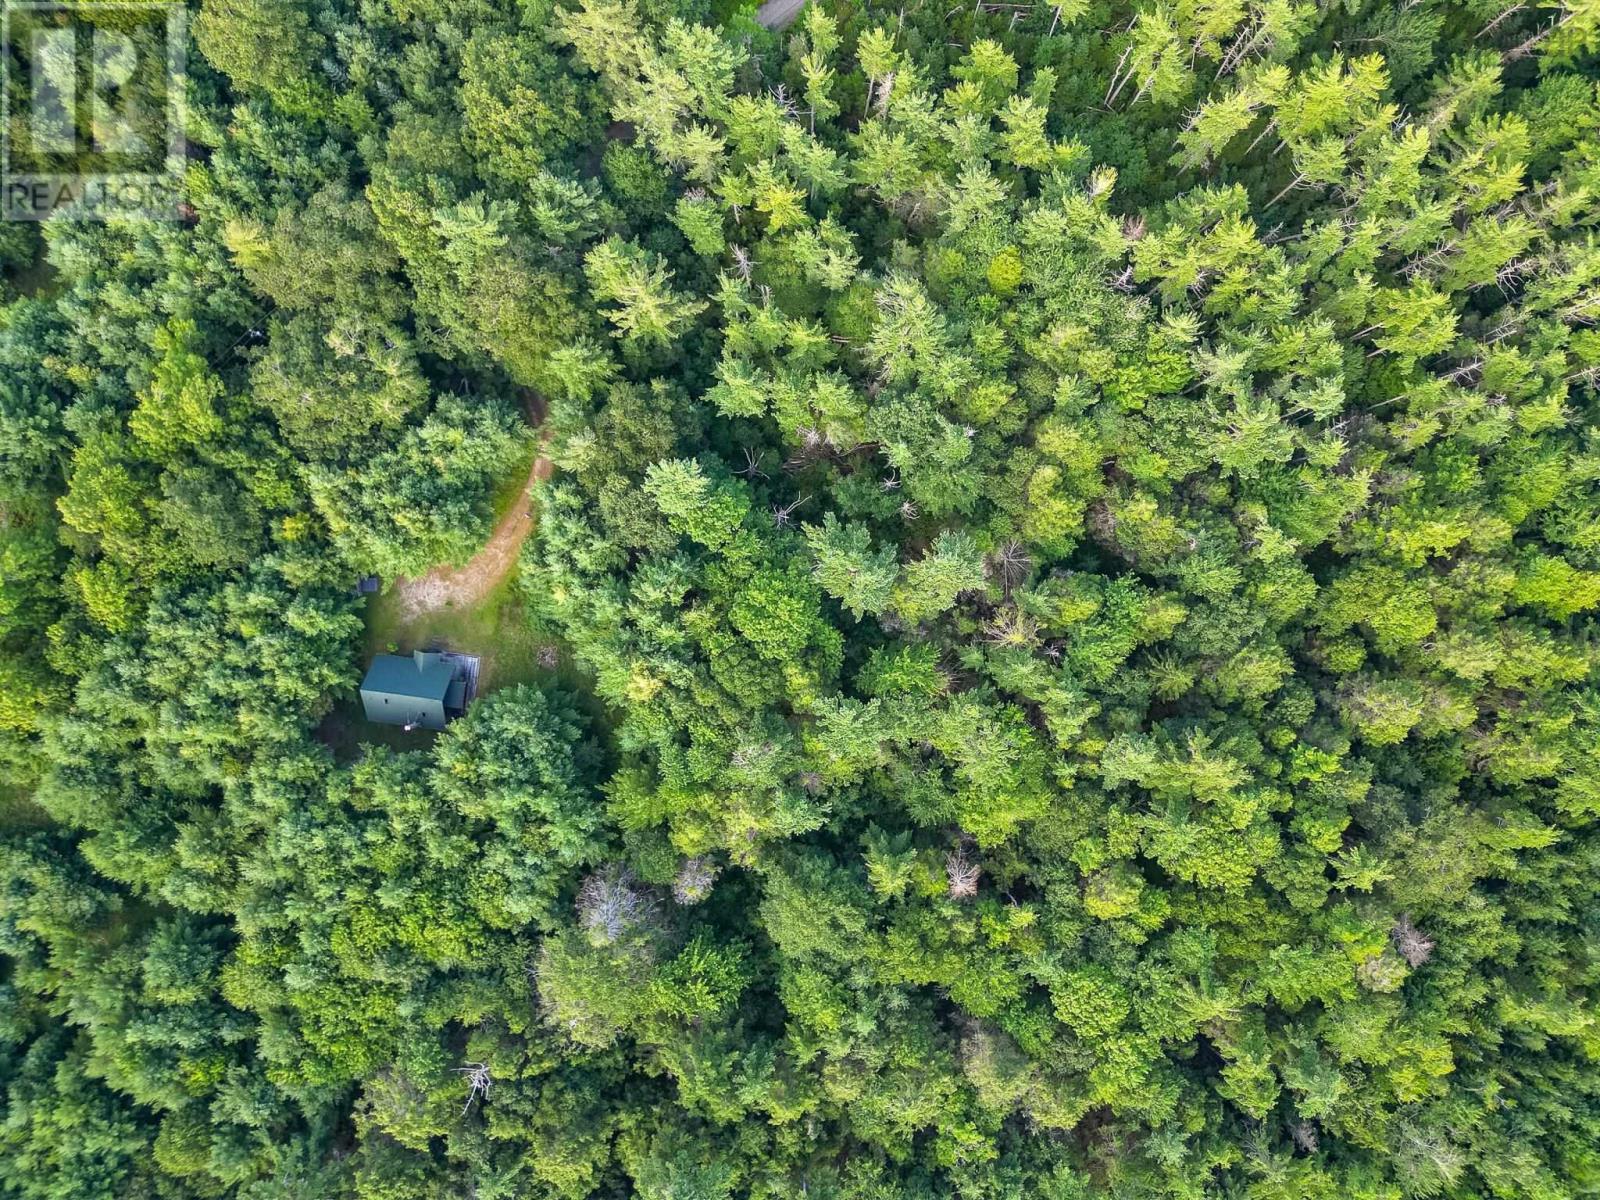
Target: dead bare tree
<point x="783" y="513"/>
<point x="1011" y="629"/>
<point x="694" y="880"/>
<point x="479" y="1081"/>
<point x="1011" y="564"/>
<point x="1414" y="946"/>
<point x="611" y="904"/>
<point x="1495" y="24"/>
<point x="752" y="465"/>
<point x="962" y="873"/>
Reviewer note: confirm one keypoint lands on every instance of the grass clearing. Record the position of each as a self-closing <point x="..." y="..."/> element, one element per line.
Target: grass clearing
<point x="512" y="645"/>
<point x="509" y="489"/>
<point x="498" y="629"/>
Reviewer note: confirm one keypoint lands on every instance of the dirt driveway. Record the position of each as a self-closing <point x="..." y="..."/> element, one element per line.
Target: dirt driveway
<point x="462" y="587"/>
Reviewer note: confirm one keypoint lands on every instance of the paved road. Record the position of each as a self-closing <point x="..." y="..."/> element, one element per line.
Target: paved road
<point x="778" y="14"/>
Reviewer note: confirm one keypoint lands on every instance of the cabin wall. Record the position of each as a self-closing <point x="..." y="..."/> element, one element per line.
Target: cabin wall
<point x="388" y="709"/>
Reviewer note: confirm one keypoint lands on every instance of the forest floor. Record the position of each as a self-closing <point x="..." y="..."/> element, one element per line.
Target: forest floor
<point x="17" y="809"/>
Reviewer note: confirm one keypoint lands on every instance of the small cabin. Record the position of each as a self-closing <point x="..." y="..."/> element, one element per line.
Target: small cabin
<point x="422" y="690"/>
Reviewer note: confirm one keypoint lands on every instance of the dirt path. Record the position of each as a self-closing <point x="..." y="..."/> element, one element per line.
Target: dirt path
<point x="465" y="586"/>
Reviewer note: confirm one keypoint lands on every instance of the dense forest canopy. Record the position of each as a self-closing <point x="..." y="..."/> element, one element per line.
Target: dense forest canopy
<point x="1073" y="552"/>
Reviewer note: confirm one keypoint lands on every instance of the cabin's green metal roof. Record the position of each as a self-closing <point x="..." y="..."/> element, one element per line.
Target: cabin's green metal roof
<point x="421" y="677"/>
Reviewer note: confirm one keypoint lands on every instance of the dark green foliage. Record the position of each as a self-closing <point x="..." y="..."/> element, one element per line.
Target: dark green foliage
<point x="426" y="500"/>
